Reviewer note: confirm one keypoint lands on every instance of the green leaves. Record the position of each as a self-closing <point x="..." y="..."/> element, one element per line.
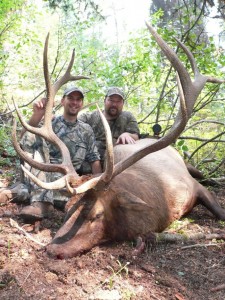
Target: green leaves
<point x="136" y="64"/>
<point x="181" y="146"/>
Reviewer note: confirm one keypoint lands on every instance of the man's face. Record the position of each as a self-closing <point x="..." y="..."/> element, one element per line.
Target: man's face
<point x="114" y="105"/>
<point x="72" y="103"/>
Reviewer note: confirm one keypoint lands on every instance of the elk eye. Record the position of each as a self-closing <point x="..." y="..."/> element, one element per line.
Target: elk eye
<point x="96" y="217"/>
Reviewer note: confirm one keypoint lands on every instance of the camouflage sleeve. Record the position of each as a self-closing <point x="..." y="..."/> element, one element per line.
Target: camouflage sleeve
<point x="84" y="117"/>
<point x="132" y="125"/>
<point x="92" y="150"/>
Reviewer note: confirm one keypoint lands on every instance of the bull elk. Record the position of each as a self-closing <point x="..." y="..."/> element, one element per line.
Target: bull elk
<point x="145" y="186"/>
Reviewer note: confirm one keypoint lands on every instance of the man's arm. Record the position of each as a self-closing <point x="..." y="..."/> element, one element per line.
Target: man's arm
<point x="38" y="113"/>
<point x="96" y="167"/>
<point x="84" y="117"/>
<point x="92" y="155"/>
<point x="131" y="130"/>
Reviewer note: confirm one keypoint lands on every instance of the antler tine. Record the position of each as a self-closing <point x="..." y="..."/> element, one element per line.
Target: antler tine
<point x="215" y="80"/>
<point x="45" y="66"/>
<point x="178" y="66"/>
<point x="49" y="88"/>
<point x="109" y="161"/>
<point x="67" y="76"/>
<point x="194" y="65"/>
<point x="191" y="89"/>
<point x="190" y="57"/>
<point x="37" y="165"/>
<point x="55" y="185"/>
<point x="171" y="56"/>
<point x="46" y="131"/>
<point x="52" y="89"/>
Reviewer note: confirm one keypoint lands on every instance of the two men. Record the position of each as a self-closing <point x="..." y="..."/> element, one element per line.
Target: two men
<point x="123" y="125"/>
<point x="81" y="136"/>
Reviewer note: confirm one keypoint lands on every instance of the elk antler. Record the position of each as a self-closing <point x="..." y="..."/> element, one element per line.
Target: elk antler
<point x="189" y="92"/>
<point x="70" y="178"/>
<point x="46" y="131"/>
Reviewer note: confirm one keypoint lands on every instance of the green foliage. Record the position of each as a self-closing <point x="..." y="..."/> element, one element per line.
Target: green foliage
<point x="6" y="148"/>
<point x="136" y="64"/>
<point x="116" y="273"/>
<point x="178" y="223"/>
<point x="10" y="11"/>
<point x="222" y="223"/>
<point x="78" y="7"/>
<point x="9" y="15"/>
<point x="128" y="294"/>
<point x="181" y="146"/>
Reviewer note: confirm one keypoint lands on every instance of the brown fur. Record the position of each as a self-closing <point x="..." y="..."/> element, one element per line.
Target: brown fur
<point x="145" y="198"/>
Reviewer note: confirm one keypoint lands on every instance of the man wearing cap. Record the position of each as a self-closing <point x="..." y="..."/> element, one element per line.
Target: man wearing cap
<point x="79" y="139"/>
<point x="123" y="124"/>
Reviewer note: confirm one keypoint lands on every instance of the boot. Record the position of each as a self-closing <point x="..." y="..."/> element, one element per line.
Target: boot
<point x="16" y="193"/>
<point x="36" y="211"/>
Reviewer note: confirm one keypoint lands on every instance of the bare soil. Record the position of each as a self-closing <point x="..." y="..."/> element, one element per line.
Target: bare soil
<point x="112" y="271"/>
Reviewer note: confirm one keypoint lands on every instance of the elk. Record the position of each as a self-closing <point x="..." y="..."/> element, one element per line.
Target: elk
<point x="144" y="186"/>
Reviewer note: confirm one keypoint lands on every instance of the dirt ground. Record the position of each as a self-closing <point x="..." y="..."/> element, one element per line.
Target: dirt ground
<point x="181" y="270"/>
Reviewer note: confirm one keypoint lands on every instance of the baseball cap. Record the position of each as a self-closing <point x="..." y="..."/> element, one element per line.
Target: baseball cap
<point x="115" y="91"/>
<point x="71" y="90"/>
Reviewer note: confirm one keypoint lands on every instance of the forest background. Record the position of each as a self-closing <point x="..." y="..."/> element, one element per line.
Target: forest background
<point x="112" y="53"/>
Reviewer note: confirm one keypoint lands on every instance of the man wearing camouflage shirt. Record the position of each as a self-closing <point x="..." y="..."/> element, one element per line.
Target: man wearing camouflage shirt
<point x="79" y="139"/>
<point x="123" y="124"/>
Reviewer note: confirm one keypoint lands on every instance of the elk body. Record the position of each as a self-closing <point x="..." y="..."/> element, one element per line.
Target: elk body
<point x="144" y="187"/>
<point x="143" y="199"/>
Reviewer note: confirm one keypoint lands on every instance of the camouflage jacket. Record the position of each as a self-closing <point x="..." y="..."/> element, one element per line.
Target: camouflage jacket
<point x="126" y="122"/>
<point x="78" y="137"/>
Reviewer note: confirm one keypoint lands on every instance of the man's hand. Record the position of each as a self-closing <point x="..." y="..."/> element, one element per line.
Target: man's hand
<point x="39" y="107"/>
<point x="127" y="138"/>
<point x="38" y="113"/>
<point x="96" y="167"/>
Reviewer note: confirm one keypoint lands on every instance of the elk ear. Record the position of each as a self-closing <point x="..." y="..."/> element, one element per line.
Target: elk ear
<point x="131" y="202"/>
<point x="132" y="215"/>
